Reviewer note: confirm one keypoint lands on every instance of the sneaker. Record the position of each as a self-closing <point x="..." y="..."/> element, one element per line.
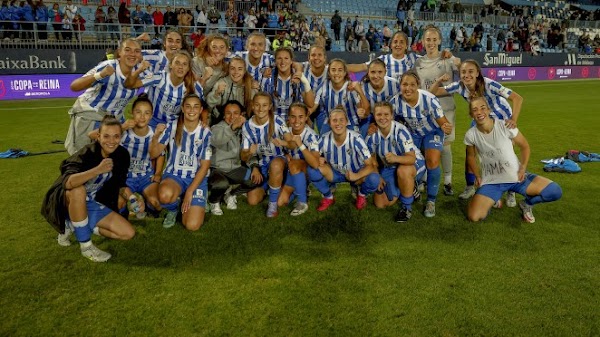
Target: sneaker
<point x="403" y="214"/>
<point x="325" y="204"/>
<point x="467" y="193"/>
<point x="170" y="219"/>
<point x="272" y="210"/>
<point x="527" y="212"/>
<point x="448" y="190"/>
<point x="231" y="201"/>
<point x="430" y="209"/>
<point x="498" y="204"/>
<point x="361" y="202"/>
<point x="353" y="191"/>
<point x="416" y="194"/>
<point x="299" y="209"/>
<point x="216" y="209"/>
<point x="65" y="239"/>
<point x="95" y="254"/>
<point x="511" y="199"/>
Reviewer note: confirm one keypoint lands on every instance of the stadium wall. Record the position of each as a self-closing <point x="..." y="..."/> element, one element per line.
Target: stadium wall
<point x="29" y="73"/>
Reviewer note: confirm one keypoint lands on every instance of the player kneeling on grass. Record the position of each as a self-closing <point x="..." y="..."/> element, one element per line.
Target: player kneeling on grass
<point x="305" y="153"/>
<point x="501" y="170"/>
<point x="345" y="158"/>
<point x="265" y="135"/>
<point x="402" y="162"/>
<point x="141" y="178"/>
<point x="226" y="165"/>
<point x="84" y="197"/>
<point x="188" y="140"/>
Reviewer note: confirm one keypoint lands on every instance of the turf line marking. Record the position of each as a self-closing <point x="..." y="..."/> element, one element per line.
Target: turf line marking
<point x="39" y="107"/>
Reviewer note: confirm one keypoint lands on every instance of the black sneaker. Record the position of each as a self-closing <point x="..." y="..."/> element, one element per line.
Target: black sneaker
<point x="448" y="189"/>
<point x="416" y="194"/>
<point x="403" y="214"/>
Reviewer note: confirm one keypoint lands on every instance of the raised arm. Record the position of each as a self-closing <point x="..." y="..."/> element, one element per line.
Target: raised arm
<point x="87" y="81"/>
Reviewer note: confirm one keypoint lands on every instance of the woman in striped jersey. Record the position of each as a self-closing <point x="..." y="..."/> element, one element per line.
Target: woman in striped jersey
<point x="286" y="85"/>
<point x="344" y="158"/>
<point x="265" y="136"/>
<point x="142" y="178"/>
<point x="339" y="90"/>
<point x="422" y="113"/>
<point x="256" y="57"/>
<point x="105" y="94"/>
<point x="397" y="63"/>
<point x="315" y="69"/>
<point x="378" y="87"/>
<point x="188" y="140"/>
<point x="430" y="67"/>
<point x="305" y="154"/>
<point x="168" y="88"/>
<point x="160" y="59"/>
<point x="473" y="84"/>
<point x="402" y="161"/>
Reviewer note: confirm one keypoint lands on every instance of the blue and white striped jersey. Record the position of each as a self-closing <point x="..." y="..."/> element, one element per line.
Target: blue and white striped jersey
<point x="166" y="98"/>
<point x="259" y="134"/>
<point x="398" y="141"/>
<point x="495" y="94"/>
<point x="139" y="151"/>
<point x="266" y="61"/>
<point x="310" y="139"/>
<point x="110" y="94"/>
<point x="157" y="58"/>
<point x="315" y="81"/>
<point x="284" y="93"/>
<point x="184" y="160"/>
<point x="395" y="68"/>
<point x="391" y="87"/>
<point x="328" y="98"/>
<point x="350" y="156"/>
<point x="92" y="186"/>
<point x="419" y="119"/>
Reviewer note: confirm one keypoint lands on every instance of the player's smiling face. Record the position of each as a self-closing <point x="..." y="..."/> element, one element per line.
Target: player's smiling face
<point x="218" y="49"/>
<point x="399" y="45"/>
<point x="142" y="113"/>
<point x="376" y="75"/>
<point x="468" y="74"/>
<point x="231" y="112"/>
<point x="180" y="65"/>
<point x="338" y="122"/>
<point x="261" y="107"/>
<point x="316" y="57"/>
<point x="283" y="59"/>
<point x="110" y="137"/>
<point x="432" y="41"/>
<point x="131" y="53"/>
<point x="479" y="110"/>
<point x="337" y="73"/>
<point x="173" y="43"/>
<point x="192" y="108"/>
<point x="297" y="119"/>
<point x="256" y="46"/>
<point x="237" y="70"/>
<point x="409" y="87"/>
<point x="383" y="117"/>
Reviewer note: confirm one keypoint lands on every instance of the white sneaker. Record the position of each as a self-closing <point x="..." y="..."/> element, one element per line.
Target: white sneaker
<point x="299" y="209"/>
<point x="216" y="209"/>
<point x="230" y="201"/>
<point x="95" y="254"/>
<point x="467" y="193"/>
<point x="527" y="212"/>
<point x="511" y="199"/>
<point x="65" y="239"/>
<point x="430" y="209"/>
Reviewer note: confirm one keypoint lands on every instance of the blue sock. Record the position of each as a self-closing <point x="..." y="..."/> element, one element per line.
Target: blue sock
<point x="273" y="193"/>
<point x="299" y="184"/>
<point x="552" y="192"/>
<point x="172" y="207"/>
<point x="407" y="201"/>
<point x="317" y="178"/>
<point x="82" y="230"/>
<point x="470" y="178"/>
<point x="433" y="183"/>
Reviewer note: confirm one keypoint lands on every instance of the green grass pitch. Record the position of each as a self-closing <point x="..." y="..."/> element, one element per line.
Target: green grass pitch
<point x="340" y="273"/>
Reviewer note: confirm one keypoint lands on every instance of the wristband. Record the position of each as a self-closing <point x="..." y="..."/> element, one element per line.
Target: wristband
<point x="98" y="76"/>
<point x="306" y="83"/>
<point x="302" y="147"/>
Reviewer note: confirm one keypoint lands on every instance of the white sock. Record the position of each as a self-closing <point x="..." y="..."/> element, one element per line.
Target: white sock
<point x="85" y="245"/>
<point x="447" y="163"/>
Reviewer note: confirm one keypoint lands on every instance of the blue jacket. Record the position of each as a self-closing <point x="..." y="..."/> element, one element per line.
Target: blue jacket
<point x="273" y="21"/>
<point x="41" y="14"/>
<point x="5" y="14"/>
<point x="27" y="13"/>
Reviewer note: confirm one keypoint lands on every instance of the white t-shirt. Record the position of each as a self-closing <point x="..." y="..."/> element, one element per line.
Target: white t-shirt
<point x="498" y="162"/>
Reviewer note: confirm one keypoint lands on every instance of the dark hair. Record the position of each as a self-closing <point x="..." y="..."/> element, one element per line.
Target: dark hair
<point x="412" y="73"/>
<point x="347" y="77"/>
<point x="232" y="102"/>
<point x="339" y="108"/>
<point x="300" y="105"/>
<point x="380" y="62"/>
<point x="275" y="75"/>
<point x="110" y="120"/>
<point x="142" y="98"/>
<point x="203" y="116"/>
<point x="184" y="44"/>
<point x="479" y="81"/>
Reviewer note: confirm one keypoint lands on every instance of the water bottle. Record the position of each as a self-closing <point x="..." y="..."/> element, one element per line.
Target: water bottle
<point x="134" y="206"/>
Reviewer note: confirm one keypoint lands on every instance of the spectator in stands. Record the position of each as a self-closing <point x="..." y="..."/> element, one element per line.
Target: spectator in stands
<point x="458" y="40"/>
<point x="363" y="45"/>
<point x="124" y="21"/>
<point x="401" y="13"/>
<point x="112" y="20"/>
<point x="79" y="27"/>
<point x="55" y="15"/>
<point x="147" y="18"/>
<point x="387" y="34"/>
<point x="197" y="37"/>
<point x="156" y="42"/>
<point x="67" y="29"/>
<point x="201" y="19"/>
<point x="158" y="20"/>
<point x="272" y="23"/>
<point x="5" y="17"/>
<point x="100" y="23"/>
<point x="251" y="20"/>
<point x="213" y="19"/>
<point x="583" y="40"/>
<point x="336" y="24"/>
<point x="170" y="18"/>
<point x="137" y="20"/>
<point x="41" y="16"/>
<point x="476" y="46"/>
<point x="500" y="40"/>
<point x="13" y="14"/>
<point x="70" y="10"/>
<point x="359" y="31"/>
<point x="28" y="19"/>
<point x="184" y="18"/>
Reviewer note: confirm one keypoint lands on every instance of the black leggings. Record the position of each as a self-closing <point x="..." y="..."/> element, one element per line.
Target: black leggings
<point x="219" y="181"/>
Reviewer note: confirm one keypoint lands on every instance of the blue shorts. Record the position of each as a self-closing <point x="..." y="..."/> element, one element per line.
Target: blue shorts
<point x="433" y="140"/>
<point x="200" y="194"/>
<point x="139" y="184"/>
<point x="495" y="191"/>
<point x="96" y="212"/>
